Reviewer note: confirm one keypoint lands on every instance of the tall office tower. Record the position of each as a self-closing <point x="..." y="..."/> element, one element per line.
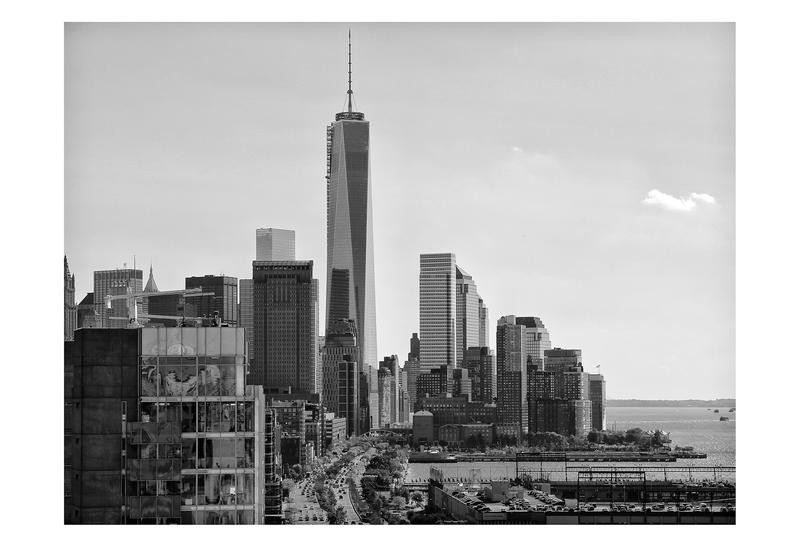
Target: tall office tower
<point x="482" y="367"/>
<point x="285" y="346"/>
<point x="158" y="439"/>
<point x="70" y="309"/>
<point x="412" y="369"/>
<point x="340" y="359"/>
<point x="521" y="342"/>
<point x="245" y="318"/>
<point x="483" y="331"/>
<point x="86" y="312"/>
<point x="468" y="314"/>
<point x="371" y="374"/>
<point x="350" y="244"/>
<point x="385" y="381"/>
<point x="274" y="244"/>
<point x="437" y="311"/>
<point x="224" y="300"/>
<point x="114" y="283"/>
<point x="392" y="365"/>
<point x="597" y="395"/>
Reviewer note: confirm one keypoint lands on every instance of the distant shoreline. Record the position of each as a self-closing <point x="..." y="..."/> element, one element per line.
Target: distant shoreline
<point x="693" y="403"/>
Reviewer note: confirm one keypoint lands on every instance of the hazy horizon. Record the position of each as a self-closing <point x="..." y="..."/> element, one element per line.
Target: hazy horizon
<point x="581" y="172"/>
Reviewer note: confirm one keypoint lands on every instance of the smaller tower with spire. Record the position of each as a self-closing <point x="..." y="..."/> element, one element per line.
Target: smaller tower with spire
<point x="70" y="309"/>
<point x="151" y="283"/>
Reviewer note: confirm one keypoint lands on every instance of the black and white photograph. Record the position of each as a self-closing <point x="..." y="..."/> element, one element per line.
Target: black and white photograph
<point x="400" y="273"/>
<point x="354" y="273"/>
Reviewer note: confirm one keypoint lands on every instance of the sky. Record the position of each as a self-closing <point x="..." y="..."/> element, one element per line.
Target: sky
<point x="581" y="173"/>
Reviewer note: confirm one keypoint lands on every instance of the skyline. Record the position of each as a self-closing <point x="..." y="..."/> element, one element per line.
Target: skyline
<point x="691" y="216"/>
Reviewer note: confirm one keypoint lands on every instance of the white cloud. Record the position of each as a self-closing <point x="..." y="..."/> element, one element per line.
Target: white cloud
<point x="516" y="149"/>
<point x="703" y="197"/>
<point x="672" y="203"/>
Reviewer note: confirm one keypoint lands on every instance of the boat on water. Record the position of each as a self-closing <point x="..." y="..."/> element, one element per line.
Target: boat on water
<point x="723" y="418"/>
<point x="732" y="410"/>
<point x="716" y="411"/>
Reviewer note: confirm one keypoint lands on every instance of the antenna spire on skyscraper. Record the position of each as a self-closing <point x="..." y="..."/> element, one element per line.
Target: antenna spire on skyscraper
<point x="349" y="74"/>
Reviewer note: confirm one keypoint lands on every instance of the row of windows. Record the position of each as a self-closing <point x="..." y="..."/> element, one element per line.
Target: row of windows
<point x="191" y="380"/>
<point x="201" y="416"/>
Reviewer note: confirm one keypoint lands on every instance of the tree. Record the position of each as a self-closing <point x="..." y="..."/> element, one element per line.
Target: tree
<point x="338" y="516"/>
<point x="634" y="435"/>
<point x="418" y="497"/>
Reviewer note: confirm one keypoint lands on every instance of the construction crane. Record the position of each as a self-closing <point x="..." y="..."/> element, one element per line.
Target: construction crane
<point x="134" y="298"/>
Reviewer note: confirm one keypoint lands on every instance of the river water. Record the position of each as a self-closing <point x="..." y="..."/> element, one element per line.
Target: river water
<point x="697" y="427"/>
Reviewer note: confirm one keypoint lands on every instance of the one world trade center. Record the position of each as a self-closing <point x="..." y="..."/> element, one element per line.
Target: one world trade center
<point x="351" y="269"/>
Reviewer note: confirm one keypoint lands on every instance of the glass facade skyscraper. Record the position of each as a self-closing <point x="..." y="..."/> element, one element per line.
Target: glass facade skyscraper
<point x="437" y="311"/>
<point x="274" y="244"/>
<point x="469" y="307"/>
<point x="350" y="269"/>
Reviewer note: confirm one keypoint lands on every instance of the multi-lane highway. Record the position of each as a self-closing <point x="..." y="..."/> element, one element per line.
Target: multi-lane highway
<point x="302" y="507"/>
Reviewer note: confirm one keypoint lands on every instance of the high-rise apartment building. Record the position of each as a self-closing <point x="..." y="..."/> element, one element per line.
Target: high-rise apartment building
<point x="274" y="244"/>
<point x="521" y="342"/>
<point x="559" y="394"/>
<point x="468" y="314"/>
<point x="70" y="309"/>
<point x="350" y="265"/>
<point x="285" y="352"/>
<point x="482" y="366"/>
<point x="597" y="395"/>
<point x="437" y="311"/>
<point x="115" y="283"/>
<point x="224" y="300"/>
